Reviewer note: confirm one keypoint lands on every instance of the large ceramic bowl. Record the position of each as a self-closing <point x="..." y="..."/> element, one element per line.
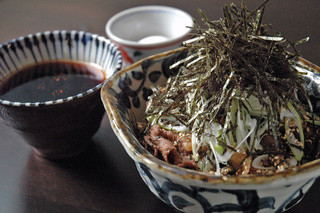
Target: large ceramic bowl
<point x="124" y="97"/>
<point x="56" y="128"/>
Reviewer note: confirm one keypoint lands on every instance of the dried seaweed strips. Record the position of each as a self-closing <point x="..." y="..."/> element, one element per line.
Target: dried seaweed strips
<point x="236" y="55"/>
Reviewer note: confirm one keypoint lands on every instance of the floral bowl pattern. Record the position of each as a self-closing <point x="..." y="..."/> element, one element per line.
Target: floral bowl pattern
<point x="125" y="95"/>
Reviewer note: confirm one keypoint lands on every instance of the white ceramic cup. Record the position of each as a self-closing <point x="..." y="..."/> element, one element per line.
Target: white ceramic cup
<point x="147" y="30"/>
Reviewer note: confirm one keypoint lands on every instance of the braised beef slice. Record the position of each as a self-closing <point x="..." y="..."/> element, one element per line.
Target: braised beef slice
<point x="166" y="146"/>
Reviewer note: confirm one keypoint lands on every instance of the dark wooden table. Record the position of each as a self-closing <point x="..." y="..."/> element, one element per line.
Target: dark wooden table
<point x="104" y="178"/>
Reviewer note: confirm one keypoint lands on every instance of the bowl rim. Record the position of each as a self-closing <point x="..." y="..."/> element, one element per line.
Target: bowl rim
<point x="148" y="8"/>
<point x="139" y="154"/>
<point x="118" y="66"/>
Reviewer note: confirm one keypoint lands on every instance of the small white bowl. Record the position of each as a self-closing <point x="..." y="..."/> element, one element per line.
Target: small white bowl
<point x="143" y="31"/>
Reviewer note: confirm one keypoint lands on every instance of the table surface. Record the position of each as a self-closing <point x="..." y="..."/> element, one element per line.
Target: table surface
<point x="104" y="178"/>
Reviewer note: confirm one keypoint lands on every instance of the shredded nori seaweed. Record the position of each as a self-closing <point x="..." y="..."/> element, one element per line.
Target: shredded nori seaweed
<point x="236" y="55"/>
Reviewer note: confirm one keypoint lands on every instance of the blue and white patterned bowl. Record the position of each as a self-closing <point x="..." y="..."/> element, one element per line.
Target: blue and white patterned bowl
<point x="57" y="128"/>
<point x="124" y="96"/>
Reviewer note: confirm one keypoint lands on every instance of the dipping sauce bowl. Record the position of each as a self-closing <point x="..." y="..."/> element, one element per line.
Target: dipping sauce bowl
<point x="62" y="127"/>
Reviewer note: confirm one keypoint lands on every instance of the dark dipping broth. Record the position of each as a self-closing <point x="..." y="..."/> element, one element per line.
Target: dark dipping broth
<point x="50" y="81"/>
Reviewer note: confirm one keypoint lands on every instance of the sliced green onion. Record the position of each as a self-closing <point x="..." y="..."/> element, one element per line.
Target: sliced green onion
<point x="298" y="122"/>
<point x="315" y="122"/>
<point x="219" y="149"/>
<point x="172" y="124"/>
<point x="292" y="140"/>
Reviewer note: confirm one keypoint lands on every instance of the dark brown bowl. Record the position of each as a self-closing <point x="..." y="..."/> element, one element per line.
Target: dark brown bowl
<point x="59" y="128"/>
